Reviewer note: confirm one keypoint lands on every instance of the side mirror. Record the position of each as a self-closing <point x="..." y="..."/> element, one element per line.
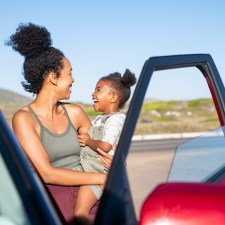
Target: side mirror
<point x="185" y="203"/>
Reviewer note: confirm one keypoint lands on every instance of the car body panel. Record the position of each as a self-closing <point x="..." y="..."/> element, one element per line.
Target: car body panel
<point x="185" y="203"/>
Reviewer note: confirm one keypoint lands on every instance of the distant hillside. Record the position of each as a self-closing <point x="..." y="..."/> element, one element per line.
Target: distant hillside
<point x="10" y="97"/>
<point x="156" y="116"/>
<point x="10" y="102"/>
<point x="198" y="115"/>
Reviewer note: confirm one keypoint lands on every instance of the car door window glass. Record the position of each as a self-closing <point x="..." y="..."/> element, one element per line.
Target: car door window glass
<point x="177" y="107"/>
<point x="11" y="208"/>
<point x="200" y="158"/>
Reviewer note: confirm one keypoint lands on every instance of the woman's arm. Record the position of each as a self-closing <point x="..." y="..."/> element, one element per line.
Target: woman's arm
<point x="105" y="158"/>
<point x="25" y="129"/>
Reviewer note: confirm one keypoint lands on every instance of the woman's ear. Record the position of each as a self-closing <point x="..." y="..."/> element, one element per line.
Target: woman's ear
<point x="53" y="79"/>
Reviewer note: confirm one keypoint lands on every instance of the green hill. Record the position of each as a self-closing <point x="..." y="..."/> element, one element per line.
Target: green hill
<point x="198" y="115"/>
<point x="156" y="116"/>
<point x="10" y="102"/>
<point x="10" y="97"/>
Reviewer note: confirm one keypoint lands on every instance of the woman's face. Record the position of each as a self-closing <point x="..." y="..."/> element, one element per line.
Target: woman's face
<point x="65" y="80"/>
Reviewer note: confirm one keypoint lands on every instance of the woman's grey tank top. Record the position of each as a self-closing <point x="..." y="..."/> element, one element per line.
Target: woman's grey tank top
<point x="63" y="149"/>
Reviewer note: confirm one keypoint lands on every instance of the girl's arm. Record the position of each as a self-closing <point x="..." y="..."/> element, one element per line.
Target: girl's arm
<point x="26" y="132"/>
<point x="82" y="124"/>
<point x="85" y="140"/>
<point x="112" y="130"/>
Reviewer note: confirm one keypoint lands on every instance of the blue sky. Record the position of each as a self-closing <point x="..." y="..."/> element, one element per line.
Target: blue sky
<point x="100" y="37"/>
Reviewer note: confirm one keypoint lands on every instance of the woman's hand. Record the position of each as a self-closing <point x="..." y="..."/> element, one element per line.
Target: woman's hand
<point x="105" y="158"/>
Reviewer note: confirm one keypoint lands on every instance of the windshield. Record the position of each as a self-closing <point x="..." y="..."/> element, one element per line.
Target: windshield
<point x="200" y="158"/>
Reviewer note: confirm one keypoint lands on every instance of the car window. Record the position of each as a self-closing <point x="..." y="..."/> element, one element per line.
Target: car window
<point x="200" y="158"/>
<point x="11" y="208"/>
<point x="177" y="108"/>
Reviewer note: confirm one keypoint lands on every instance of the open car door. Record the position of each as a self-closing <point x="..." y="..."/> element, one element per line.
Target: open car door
<point x="117" y="203"/>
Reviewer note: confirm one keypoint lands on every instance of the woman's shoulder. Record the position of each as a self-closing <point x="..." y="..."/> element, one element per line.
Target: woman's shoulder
<point x="22" y="112"/>
<point x="72" y="107"/>
<point x="75" y="111"/>
<point x="77" y="116"/>
<point x="22" y="116"/>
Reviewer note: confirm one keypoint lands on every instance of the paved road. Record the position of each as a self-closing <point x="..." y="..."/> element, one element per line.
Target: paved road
<point x="148" y="164"/>
<point x="157" y="145"/>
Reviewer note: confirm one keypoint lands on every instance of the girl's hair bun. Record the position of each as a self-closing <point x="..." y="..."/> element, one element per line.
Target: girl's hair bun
<point x="30" y="40"/>
<point x="128" y="78"/>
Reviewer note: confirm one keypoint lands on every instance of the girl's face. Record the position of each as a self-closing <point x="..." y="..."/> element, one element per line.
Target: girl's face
<point x="102" y="96"/>
<point x="65" y="80"/>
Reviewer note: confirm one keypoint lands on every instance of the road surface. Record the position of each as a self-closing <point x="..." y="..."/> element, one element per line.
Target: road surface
<point x="148" y="164"/>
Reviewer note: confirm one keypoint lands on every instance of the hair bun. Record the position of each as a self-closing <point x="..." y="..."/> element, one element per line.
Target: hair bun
<point x="30" y="40"/>
<point x="128" y="78"/>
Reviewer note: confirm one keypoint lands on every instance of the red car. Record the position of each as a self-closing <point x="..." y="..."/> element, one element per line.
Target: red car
<point x="194" y="192"/>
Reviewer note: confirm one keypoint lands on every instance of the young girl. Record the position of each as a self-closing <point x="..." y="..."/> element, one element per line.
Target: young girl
<point x="111" y="93"/>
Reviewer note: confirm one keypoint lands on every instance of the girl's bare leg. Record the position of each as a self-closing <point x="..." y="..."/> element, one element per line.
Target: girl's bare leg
<point x="85" y="201"/>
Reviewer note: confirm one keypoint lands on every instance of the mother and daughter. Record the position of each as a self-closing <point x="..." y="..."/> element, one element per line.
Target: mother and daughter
<point x="71" y="154"/>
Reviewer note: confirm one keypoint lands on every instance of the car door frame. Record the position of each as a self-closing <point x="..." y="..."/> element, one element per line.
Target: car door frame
<point x="116" y="206"/>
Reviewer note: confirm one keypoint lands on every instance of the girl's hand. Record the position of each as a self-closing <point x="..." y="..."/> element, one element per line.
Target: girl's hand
<point x="105" y="158"/>
<point x="83" y="138"/>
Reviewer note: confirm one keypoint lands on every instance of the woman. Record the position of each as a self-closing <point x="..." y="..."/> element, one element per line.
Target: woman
<point x="47" y="128"/>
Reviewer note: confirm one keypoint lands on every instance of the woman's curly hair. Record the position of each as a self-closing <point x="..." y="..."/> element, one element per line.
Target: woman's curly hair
<point x="121" y="84"/>
<point x="35" y="44"/>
